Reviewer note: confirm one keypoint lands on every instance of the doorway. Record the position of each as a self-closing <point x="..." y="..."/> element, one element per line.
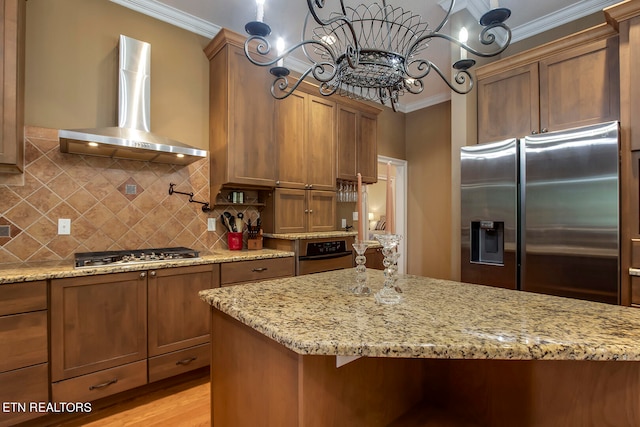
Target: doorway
<point x="376" y="206"/>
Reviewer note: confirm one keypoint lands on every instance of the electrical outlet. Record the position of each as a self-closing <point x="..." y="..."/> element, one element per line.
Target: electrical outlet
<point x="211" y="224"/>
<point x="355" y="216"/>
<point x="64" y="226"/>
<point x="344" y="223"/>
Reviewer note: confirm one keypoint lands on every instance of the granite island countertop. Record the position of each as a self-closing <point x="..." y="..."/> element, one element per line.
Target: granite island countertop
<point x="315" y="315"/>
<point x="31" y="271"/>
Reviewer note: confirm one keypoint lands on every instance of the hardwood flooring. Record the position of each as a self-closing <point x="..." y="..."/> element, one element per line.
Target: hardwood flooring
<point x="186" y="405"/>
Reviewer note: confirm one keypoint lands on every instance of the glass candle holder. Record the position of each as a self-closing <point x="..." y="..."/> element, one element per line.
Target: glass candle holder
<point x="390" y="292"/>
<point x="361" y="286"/>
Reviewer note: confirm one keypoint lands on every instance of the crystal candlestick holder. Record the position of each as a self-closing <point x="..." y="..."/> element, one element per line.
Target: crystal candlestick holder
<point x="390" y="292"/>
<point x="361" y="287"/>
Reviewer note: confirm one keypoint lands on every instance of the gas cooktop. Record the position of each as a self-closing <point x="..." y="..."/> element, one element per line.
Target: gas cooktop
<point x="126" y="257"/>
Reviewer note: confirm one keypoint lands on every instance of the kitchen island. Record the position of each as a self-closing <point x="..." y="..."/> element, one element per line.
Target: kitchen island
<point x="304" y="352"/>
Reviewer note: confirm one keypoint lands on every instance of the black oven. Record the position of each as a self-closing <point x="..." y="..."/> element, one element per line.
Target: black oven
<point x="324" y="254"/>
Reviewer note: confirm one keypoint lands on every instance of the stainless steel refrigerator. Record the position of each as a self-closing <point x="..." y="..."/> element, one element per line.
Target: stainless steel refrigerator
<point x="541" y="213"/>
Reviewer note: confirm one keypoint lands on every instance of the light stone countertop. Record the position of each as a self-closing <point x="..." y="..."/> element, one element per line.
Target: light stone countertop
<point x="315" y="315"/>
<point x="27" y="272"/>
<point x="314" y="235"/>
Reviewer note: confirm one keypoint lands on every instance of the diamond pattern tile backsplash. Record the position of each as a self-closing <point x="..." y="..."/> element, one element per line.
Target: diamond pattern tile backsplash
<point x="112" y="204"/>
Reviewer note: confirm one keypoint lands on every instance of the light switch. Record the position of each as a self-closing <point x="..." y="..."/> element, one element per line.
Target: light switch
<point x="64" y="226"/>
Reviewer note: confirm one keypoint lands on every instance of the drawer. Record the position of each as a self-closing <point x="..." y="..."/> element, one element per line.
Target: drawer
<point x="23" y="386"/>
<point x="24" y="340"/>
<point x="178" y="362"/>
<point x="97" y="385"/>
<point x="23" y="297"/>
<point x="255" y="270"/>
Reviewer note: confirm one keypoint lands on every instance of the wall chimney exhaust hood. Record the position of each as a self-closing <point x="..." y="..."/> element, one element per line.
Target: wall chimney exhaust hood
<point x="132" y="138"/>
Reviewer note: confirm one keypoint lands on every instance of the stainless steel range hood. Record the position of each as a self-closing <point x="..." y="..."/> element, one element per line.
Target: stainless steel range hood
<point x="132" y="138"/>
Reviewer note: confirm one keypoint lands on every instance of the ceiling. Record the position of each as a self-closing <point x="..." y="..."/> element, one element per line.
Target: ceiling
<point x="285" y="17"/>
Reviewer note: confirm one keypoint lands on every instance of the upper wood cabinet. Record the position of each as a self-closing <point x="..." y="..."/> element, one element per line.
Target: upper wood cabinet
<point x="357" y="144"/>
<point x="12" y="30"/>
<point x="306" y="141"/>
<point x="299" y="211"/>
<point x="241" y="119"/>
<point x="568" y="83"/>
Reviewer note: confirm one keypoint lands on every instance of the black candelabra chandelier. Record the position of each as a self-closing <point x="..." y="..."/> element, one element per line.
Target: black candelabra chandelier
<point x="374" y="52"/>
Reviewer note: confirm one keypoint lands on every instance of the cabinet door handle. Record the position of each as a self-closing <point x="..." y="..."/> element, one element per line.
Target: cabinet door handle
<point x="310" y="210"/>
<point x="277" y="182"/>
<point x="186" y="361"/>
<point x="306" y="211"/>
<point x="545" y="130"/>
<point x="103" y="385"/>
<point x="143" y="275"/>
<point x="152" y="274"/>
<point x="534" y="132"/>
<point x="310" y="185"/>
<point x="259" y="269"/>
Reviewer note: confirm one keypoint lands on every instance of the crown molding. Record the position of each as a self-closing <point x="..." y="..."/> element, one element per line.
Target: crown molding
<point x="172" y="16"/>
<point x="476" y="8"/>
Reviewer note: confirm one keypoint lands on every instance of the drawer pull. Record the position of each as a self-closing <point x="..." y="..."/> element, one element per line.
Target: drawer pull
<point x="103" y="385"/>
<point x="259" y="269"/>
<point x="186" y="361"/>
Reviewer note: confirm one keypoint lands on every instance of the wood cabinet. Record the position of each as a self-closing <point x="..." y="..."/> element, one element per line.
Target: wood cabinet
<point x="567" y="83"/>
<point x="299" y="211"/>
<point x="241" y="119"/>
<point x="239" y="272"/>
<point x="104" y="327"/>
<point x="24" y="350"/>
<point x="97" y="323"/>
<point x="357" y="144"/>
<point x="306" y="141"/>
<point x="179" y="330"/>
<point x="374" y="258"/>
<point x="12" y="42"/>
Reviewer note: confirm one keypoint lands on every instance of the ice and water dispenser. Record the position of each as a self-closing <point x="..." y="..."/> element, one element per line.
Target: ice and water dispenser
<point x="487" y="242"/>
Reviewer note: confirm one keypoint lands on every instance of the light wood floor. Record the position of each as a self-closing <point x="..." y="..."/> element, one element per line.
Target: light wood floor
<point x="186" y="404"/>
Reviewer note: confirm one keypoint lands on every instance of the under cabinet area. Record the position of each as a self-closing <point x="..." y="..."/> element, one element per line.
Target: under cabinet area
<point x="299" y="211"/>
<point x="24" y="352"/>
<point x="564" y="84"/>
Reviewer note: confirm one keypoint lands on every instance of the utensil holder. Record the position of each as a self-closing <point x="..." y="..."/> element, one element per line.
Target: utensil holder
<point x="234" y="240"/>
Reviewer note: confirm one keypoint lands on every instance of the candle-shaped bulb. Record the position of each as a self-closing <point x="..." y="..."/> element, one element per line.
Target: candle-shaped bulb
<point x="463" y="37"/>
<point x="260" y="14"/>
<point x="280" y="50"/>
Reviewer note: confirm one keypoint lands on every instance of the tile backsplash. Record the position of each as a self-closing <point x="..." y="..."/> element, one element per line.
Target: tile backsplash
<point x="112" y="204"/>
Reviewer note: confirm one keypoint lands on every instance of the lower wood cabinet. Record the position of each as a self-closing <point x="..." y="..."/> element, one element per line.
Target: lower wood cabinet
<point x="299" y="211"/>
<point x="24" y="368"/>
<point x="179" y="322"/>
<point x="97" y="322"/>
<point x="104" y="327"/>
<point x="374" y="258"/>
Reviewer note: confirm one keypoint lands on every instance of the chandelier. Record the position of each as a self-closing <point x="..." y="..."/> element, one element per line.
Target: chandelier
<point x="371" y="52"/>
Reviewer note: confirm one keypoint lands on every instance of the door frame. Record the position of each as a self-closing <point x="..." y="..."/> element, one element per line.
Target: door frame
<point x="400" y="200"/>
